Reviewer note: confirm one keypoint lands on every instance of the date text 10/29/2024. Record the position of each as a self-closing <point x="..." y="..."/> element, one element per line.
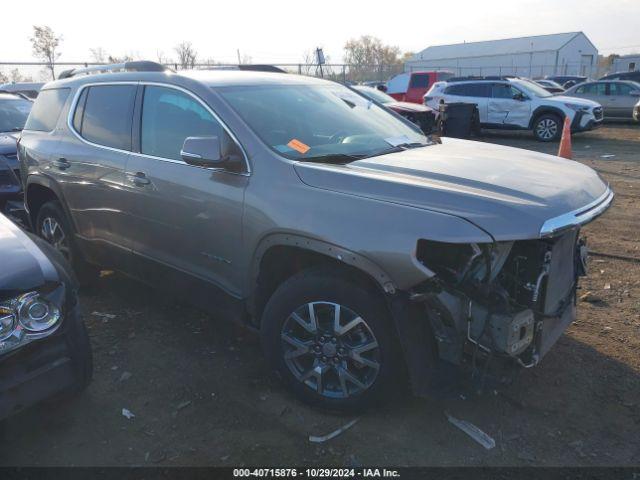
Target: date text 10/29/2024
<point x="316" y="472"/>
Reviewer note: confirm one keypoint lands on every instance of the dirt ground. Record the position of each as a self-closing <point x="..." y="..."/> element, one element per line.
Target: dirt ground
<point x="201" y="393"/>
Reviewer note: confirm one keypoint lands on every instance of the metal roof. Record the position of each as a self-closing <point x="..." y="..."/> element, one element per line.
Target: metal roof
<point x="538" y="43"/>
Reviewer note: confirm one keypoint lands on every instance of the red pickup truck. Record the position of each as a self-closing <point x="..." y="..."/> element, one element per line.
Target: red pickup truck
<point x="411" y="86"/>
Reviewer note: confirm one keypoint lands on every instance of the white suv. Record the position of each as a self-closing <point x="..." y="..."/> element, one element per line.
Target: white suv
<point x="518" y="104"/>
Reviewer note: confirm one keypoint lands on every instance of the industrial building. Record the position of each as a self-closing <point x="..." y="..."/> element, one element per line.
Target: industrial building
<point x="556" y="54"/>
<point x="626" y="63"/>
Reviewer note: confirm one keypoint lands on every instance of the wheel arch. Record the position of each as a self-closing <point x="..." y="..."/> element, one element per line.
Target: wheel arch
<point x="40" y="190"/>
<point x="280" y="256"/>
<point x="542" y="110"/>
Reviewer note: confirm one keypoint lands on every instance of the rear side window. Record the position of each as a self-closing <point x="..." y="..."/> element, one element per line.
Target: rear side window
<point x="619" y="89"/>
<point x="105" y="114"/>
<point x="45" y="112"/>
<point x="469" y="90"/>
<point x="168" y="117"/>
<point x="419" y="81"/>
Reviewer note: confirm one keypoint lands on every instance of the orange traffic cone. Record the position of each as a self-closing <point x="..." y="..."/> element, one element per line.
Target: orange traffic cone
<point x="565" y="141"/>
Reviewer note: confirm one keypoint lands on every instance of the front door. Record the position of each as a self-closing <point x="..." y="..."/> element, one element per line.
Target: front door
<point x="189" y="218"/>
<point x="508" y="106"/>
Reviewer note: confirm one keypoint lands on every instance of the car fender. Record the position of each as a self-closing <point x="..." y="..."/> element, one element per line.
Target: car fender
<point x="327" y="249"/>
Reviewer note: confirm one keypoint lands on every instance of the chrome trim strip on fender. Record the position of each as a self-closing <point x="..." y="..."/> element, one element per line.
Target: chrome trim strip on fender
<point x="579" y="216"/>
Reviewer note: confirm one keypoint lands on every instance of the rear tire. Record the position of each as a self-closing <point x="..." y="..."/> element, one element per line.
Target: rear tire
<point x="346" y="365"/>
<point x="53" y="226"/>
<point x="547" y="127"/>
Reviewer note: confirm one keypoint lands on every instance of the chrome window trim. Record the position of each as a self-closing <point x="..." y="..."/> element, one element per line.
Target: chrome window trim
<point x="579" y="216"/>
<point x="78" y="93"/>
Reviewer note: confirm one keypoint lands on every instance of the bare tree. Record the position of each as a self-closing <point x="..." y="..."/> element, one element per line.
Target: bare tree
<point x="45" y="45"/>
<point x="122" y="59"/>
<point x="3" y="77"/>
<point x="187" y="55"/>
<point x="99" y="54"/>
<point x="15" y="76"/>
<point x="162" y="58"/>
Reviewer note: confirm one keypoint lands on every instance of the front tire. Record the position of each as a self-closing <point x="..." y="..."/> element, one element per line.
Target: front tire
<point x="53" y="226"/>
<point x="547" y="127"/>
<point x="331" y="341"/>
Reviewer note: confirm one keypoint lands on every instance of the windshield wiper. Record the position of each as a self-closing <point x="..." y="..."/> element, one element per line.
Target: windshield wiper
<point x="398" y="148"/>
<point x="334" y="158"/>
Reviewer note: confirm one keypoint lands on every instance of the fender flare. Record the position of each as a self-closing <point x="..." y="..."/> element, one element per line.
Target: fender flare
<point x="327" y="249"/>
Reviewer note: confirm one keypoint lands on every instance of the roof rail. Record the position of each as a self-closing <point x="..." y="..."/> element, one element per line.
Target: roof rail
<point x="477" y="77"/>
<point x="137" y="66"/>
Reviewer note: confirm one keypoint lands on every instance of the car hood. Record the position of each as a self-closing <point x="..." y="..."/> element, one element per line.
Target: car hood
<point x="24" y="266"/>
<point x="508" y="192"/>
<point x="583" y="102"/>
<point x="8" y="142"/>
<point x="408" y="107"/>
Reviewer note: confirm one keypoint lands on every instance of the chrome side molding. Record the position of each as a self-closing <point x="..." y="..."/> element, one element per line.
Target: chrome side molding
<point x="579" y="216"/>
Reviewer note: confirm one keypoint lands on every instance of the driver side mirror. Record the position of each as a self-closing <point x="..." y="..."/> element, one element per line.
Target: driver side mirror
<point x="203" y="152"/>
<point x="520" y="97"/>
<point x="635" y="93"/>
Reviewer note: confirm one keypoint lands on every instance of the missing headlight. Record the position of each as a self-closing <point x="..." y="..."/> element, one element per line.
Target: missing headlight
<point x="456" y="263"/>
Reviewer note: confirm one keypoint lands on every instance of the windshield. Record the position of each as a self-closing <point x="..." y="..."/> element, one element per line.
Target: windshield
<point x="375" y="94"/>
<point x="13" y="114"/>
<point x="532" y="89"/>
<point x="306" y="121"/>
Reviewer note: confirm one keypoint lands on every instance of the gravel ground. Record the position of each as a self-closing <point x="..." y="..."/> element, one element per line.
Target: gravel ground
<point x="201" y="393"/>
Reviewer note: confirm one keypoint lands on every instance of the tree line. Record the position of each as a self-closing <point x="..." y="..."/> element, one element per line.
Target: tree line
<point x="365" y="56"/>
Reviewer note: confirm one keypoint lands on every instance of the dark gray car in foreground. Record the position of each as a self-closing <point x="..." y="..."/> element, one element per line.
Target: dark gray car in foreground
<point x="44" y="347"/>
<point x="357" y="246"/>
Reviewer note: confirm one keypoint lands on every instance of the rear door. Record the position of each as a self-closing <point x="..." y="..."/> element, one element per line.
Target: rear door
<point x="476" y="93"/>
<point x="91" y="167"/>
<point x="508" y="106"/>
<point x="188" y="218"/>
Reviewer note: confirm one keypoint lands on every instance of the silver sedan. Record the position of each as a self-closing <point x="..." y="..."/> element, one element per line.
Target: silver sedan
<point x="617" y="97"/>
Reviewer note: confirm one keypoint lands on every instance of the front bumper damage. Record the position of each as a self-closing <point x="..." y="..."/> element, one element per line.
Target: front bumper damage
<point x="504" y="304"/>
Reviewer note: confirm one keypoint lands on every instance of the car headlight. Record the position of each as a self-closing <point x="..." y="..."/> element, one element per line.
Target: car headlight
<point x="35" y="313"/>
<point x="30" y="316"/>
<point x="576" y="108"/>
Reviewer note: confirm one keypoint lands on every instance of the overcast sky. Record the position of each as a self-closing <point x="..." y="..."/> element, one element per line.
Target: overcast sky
<point x="281" y="31"/>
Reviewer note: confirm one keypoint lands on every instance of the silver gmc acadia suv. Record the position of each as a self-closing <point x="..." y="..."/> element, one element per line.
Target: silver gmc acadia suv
<point x="364" y="252"/>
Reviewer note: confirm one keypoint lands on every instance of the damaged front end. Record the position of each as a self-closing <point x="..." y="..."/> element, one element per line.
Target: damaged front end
<point x="506" y="299"/>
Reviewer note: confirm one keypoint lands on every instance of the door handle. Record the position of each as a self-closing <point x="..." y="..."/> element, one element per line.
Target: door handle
<point x="139" y="179"/>
<point x="61" y="163"/>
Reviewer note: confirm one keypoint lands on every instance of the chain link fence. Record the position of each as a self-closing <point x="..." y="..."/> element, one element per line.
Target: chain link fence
<point x="341" y="72"/>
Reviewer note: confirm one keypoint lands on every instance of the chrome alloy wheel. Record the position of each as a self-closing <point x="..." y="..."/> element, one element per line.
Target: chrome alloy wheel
<point x="52" y="232"/>
<point x="330" y="349"/>
<point x="547" y="129"/>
